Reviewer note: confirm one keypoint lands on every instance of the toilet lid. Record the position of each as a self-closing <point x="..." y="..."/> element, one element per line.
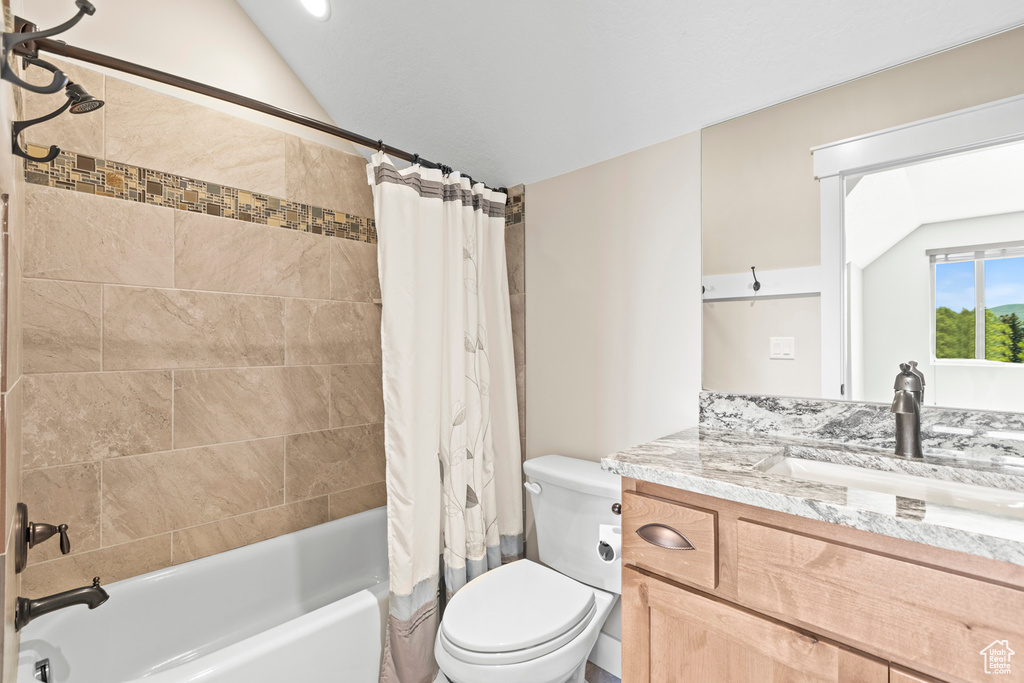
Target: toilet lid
<point x="514" y="607"/>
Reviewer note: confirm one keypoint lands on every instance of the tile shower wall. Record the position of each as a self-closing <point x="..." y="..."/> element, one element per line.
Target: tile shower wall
<point x="201" y="347"/>
<point x="515" y="255"/>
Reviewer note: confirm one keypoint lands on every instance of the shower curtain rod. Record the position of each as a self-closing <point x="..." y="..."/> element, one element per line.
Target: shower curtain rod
<point x="60" y="48"/>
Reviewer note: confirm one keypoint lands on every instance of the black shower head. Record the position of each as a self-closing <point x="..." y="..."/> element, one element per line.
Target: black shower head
<point x="81" y="101"/>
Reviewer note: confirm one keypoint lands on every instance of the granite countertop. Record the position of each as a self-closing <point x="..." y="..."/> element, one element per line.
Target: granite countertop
<point x="732" y="465"/>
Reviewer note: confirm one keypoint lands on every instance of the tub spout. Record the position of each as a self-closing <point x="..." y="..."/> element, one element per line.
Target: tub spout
<point x="91" y="596"/>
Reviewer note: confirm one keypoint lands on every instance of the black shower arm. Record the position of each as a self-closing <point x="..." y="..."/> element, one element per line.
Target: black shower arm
<point x="18" y="126"/>
<point x="15" y="40"/>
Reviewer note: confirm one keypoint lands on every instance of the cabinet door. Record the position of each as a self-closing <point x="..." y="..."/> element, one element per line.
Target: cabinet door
<point x="672" y="634"/>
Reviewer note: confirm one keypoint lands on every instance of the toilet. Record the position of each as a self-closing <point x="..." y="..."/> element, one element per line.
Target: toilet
<point x="527" y="621"/>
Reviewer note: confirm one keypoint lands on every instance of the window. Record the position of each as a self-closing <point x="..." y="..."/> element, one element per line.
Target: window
<point x="987" y="278"/>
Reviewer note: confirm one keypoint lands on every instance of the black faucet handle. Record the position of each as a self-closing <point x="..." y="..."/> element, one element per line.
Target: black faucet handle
<point x="37" y="533"/>
<point x="65" y="542"/>
<point x="95" y="582"/>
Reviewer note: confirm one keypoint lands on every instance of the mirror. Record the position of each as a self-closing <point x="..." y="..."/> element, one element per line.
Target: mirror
<point x="933" y="268"/>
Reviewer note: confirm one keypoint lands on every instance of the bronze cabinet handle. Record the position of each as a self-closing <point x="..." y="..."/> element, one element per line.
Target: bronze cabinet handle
<point x="664" y="537"/>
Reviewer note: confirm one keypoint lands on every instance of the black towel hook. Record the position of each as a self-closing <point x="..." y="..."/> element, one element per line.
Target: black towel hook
<point x="22" y="42"/>
<point x="757" y="285"/>
<point x="415" y="159"/>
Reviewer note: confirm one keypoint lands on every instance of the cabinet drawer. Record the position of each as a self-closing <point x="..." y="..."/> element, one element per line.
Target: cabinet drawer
<point x="925" y="618"/>
<point x="676" y="541"/>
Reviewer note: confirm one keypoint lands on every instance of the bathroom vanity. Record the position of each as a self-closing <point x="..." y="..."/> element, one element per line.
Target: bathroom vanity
<point x="744" y="560"/>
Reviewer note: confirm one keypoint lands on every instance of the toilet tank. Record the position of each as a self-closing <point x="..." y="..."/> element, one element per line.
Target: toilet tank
<point x="572" y="507"/>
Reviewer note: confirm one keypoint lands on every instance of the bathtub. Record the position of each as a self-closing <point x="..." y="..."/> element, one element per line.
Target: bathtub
<point x="307" y="606"/>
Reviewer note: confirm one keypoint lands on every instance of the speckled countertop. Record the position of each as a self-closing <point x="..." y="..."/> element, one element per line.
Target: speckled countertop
<point x="733" y="465"/>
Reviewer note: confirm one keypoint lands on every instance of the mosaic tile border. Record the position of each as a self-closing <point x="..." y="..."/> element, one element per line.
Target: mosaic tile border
<point x="82" y="173"/>
<point x="515" y="210"/>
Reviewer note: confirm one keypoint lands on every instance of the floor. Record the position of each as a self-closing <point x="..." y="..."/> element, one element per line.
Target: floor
<point x="596" y="674"/>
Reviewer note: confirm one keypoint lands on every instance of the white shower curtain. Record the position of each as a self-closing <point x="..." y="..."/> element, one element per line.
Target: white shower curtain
<point x="451" y="430"/>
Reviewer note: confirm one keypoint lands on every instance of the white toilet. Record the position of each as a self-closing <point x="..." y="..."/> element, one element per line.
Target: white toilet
<point x="526" y="622"/>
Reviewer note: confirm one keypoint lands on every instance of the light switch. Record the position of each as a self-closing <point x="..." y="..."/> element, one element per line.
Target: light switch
<point x="783" y="348"/>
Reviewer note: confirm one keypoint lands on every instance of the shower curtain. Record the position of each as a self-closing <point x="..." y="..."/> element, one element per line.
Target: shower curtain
<point x="451" y="429"/>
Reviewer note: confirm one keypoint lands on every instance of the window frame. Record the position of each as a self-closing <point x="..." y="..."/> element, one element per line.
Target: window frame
<point x="977" y="254"/>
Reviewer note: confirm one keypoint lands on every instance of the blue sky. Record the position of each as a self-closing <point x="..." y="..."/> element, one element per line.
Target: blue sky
<point x="1004" y="283"/>
<point x="954" y="285"/>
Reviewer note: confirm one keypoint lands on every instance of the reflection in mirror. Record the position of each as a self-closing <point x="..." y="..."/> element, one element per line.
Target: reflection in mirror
<point x="934" y="271"/>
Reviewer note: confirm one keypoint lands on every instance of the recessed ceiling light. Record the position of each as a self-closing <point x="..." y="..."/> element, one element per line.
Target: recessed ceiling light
<point x="321" y="9"/>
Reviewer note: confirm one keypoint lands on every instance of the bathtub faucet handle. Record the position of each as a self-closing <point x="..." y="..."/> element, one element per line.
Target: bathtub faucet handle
<point x="37" y="533"/>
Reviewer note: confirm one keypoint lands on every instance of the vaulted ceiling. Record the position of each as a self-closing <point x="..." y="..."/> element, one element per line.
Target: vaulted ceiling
<point x="521" y="91"/>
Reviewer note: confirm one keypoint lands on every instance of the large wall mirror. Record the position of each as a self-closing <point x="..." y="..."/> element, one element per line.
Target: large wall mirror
<point x="923" y="259"/>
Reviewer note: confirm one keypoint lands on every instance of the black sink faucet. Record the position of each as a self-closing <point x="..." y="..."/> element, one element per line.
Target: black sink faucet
<point x="907" y="407"/>
<point x="91" y="596"/>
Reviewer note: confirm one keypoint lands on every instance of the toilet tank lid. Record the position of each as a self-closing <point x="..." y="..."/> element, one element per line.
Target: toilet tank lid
<point x="584" y="476"/>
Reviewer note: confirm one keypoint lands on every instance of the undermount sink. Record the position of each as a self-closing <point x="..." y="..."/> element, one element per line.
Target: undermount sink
<point x="861" y="481"/>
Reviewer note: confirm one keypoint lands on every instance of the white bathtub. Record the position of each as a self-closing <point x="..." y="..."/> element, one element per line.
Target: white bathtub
<point x="307" y="606"/>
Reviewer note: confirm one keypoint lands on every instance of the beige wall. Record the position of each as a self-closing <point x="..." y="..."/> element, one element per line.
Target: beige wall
<point x="612" y="262"/>
<point x="761" y="201"/>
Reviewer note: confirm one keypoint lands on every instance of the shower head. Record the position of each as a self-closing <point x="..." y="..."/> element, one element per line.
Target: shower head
<point x="81" y="101"/>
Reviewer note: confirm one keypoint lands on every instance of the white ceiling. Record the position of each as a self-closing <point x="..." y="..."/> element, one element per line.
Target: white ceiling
<point x="885" y="207"/>
<point x="516" y="92"/>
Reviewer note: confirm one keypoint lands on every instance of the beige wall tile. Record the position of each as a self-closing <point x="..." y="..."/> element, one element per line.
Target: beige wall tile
<point x="333" y="460"/>
<point x="521" y="398"/>
<point x="78" y="417"/>
<point x="15" y="303"/>
<point x="147" y="495"/>
<point x="327" y="177"/>
<point x="13" y="411"/>
<point x="64" y="495"/>
<point x="78" y="236"/>
<point x="110" y="564"/>
<point x="83" y="133"/>
<point x="518" y="302"/>
<point x="357" y="395"/>
<point x="345" y="503"/>
<point x="216" y="406"/>
<point x="160" y="328"/>
<point x="226" y="255"/>
<point x="209" y="539"/>
<point x="205" y="144"/>
<point x="61" y="326"/>
<point x="335" y="332"/>
<point x="354" y="271"/>
<point x="515" y="258"/>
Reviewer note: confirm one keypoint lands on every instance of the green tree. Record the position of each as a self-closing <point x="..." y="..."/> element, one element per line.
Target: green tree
<point x="1015" y="331"/>
<point x="954" y="333"/>
<point x="997" y="338"/>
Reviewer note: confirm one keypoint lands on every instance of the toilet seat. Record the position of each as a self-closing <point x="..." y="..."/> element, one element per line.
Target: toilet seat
<point x="515" y="613"/>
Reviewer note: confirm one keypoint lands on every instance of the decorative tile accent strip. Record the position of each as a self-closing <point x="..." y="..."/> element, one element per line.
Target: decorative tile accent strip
<point x="81" y="173"/>
<point x="515" y="209"/>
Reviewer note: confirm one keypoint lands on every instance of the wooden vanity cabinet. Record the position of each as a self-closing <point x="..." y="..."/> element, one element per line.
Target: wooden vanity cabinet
<point x="764" y="597"/>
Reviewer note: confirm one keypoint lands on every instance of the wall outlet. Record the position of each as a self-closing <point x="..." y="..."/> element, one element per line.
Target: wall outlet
<point x="782" y="348"/>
